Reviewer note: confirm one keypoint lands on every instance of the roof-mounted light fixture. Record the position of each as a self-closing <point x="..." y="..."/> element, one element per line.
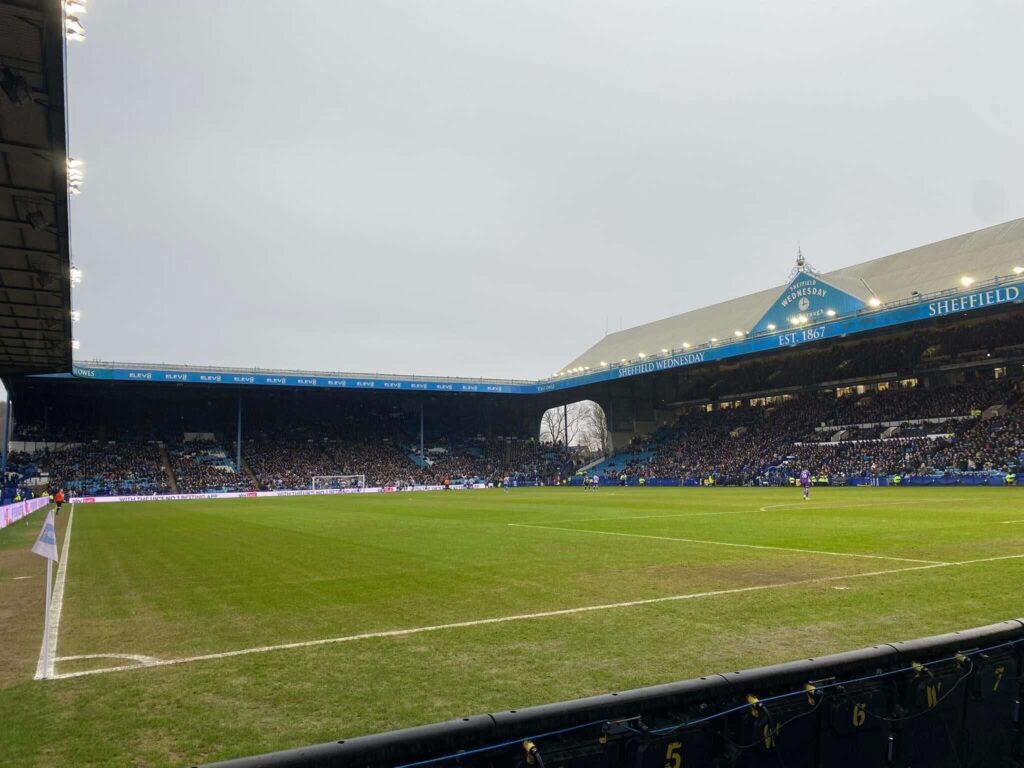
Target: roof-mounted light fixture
<point x="73" y="29"/>
<point x="76" y="174"/>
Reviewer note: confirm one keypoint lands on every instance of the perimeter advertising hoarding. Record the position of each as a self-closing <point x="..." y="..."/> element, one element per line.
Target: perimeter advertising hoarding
<point x="263" y="494"/>
<point x="12" y="513"/>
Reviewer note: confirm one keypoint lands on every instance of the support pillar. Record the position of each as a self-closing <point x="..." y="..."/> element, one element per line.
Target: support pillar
<point x="238" y="438"/>
<point x="7" y="445"/>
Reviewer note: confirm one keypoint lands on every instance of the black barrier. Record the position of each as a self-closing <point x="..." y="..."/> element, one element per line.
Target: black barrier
<point x="950" y="700"/>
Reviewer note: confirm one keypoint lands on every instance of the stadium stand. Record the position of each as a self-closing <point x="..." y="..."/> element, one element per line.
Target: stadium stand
<point x="767" y="445"/>
<point x="380" y="461"/>
<point x="202" y="466"/>
<point x="877" y="430"/>
<point x="106" y="469"/>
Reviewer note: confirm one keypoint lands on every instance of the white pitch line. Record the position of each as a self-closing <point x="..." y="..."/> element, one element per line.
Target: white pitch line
<point x="729" y="544"/>
<point x="505" y="619"/>
<point x="130" y="656"/>
<point x="45" y="670"/>
<point x="766" y="508"/>
<point x="646" y="517"/>
<point x="839" y="505"/>
<point x="1007" y="522"/>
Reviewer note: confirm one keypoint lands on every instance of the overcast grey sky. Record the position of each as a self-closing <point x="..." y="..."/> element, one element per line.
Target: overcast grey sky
<point x="474" y="187"/>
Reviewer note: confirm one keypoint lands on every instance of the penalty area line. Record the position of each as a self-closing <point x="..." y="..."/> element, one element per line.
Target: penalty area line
<point x="151" y="662"/>
<point x="731" y="544"/>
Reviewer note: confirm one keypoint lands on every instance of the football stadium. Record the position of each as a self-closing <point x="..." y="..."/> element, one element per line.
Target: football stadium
<point x="797" y="541"/>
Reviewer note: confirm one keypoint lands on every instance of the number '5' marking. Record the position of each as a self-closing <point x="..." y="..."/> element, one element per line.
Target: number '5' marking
<point x="673" y="757"/>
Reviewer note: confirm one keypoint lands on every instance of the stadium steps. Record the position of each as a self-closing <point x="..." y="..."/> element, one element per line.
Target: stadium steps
<point x="594" y="463"/>
<point x="250" y="474"/>
<point x="165" y="460"/>
<point x="617" y="462"/>
<point x="416" y="459"/>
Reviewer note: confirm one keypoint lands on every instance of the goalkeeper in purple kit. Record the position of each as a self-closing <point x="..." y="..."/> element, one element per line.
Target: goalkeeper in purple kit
<point x="805" y="483"/>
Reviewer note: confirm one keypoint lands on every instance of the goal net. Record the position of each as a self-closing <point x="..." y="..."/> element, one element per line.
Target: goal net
<point x="337" y="482"/>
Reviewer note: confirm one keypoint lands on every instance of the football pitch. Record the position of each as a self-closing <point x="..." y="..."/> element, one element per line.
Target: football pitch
<point x="195" y="631"/>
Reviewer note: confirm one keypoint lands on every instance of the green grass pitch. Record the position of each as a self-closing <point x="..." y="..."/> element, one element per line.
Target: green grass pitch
<point x="554" y="594"/>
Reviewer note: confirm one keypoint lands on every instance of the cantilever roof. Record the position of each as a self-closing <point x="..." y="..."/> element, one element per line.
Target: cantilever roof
<point x="984" y="254"/>
<point x="35" y="291"/>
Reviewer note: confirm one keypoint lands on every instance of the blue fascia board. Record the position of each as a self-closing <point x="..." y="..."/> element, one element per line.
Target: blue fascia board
<point x="862" y="321"/>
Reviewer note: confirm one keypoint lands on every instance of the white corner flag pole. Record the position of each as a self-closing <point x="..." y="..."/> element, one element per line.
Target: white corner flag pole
<point x="46" y="546"/>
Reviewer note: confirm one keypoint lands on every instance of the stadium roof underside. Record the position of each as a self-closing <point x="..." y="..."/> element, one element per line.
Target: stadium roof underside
<point x="924" y="271"/>
<point x="35" y="290"/>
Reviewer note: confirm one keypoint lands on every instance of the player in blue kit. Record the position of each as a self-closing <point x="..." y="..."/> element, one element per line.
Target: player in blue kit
<point x="805" y="483"/>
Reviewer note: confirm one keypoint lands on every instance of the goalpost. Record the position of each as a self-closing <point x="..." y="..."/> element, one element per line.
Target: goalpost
<point x="325" y="482"/>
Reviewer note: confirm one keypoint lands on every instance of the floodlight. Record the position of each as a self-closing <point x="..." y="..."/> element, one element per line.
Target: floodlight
<point x="738" y="334"/>
<point x="771" y="326"/>
<point x="874" y="301"/>
<point x="1018" y="270"/>
<point x="73" y="29"/>
<point x="686" y="345"/>
<point x="641" y="355"/>
<point x="664" y="351"/>
<point x="74" y="7"/>
<point x="830" y="312"/>
<point x="966" y="281"/>
<point x="75" y="315"/>
<point x="622" y="360"/>
<point x="604" y="364"/>
<point x="76" y="175"/>
<point x="75" y="344"/>
<point x="76" y="275"/>
<point x="794" y="320"/>
<point x="713" y="339"/>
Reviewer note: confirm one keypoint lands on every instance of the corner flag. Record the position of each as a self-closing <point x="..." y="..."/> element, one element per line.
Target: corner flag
<point x="46" y="544"/>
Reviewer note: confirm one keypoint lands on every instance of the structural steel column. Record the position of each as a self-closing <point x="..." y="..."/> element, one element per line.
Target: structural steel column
<point x="7" y="445"/>
<point x="238" y="438"/>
